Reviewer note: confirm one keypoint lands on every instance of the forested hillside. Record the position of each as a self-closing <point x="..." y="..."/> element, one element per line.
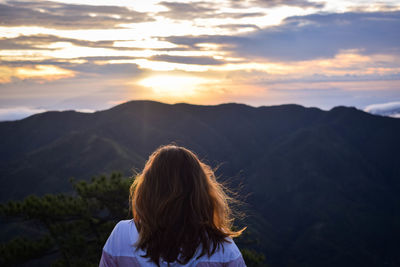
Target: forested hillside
<point x="322" y="186"/>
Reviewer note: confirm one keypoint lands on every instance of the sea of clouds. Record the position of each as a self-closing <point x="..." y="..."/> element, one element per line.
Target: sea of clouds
<point x="391" y="109"/>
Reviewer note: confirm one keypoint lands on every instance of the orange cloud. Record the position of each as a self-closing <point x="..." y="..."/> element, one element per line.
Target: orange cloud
<point x="39" y="72"/>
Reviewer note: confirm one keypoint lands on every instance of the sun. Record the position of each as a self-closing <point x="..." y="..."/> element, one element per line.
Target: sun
<point x="173" y="85"/>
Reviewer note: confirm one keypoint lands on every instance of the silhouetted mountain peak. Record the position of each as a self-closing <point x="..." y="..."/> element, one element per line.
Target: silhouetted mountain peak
<point x="344" y="109"/>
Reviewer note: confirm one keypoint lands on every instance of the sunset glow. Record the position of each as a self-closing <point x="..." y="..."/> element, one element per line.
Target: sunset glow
<point x="173" y="86"/>
<point x="41" y="72"/>
<point x="255" y="52"/>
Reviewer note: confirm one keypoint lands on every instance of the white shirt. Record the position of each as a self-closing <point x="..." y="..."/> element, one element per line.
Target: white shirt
<point x="119" y="250"/>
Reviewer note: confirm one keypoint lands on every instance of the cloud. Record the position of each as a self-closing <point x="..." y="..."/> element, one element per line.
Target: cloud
<point x="177" y="10"/>
<point x="391" y="109"/>
<point x="62" y="62"/>
<point x="297" y="3"/>
<point x="311" y="37"/>
<point x="276" y="3"/>
<point x="17" y="113"/>
<point x="92" y="88"/>
<point x="190" y="11"/>
<point x="42" y="42"/>
<point x="23" y="43"/>
<point x="374" y="6"/>
<point x="116" y="70"/>
<point x="41" y="73"/>
<point x="14" y="72"/>
<point x="67" y="16"/>
<point x="238" y="26"/>
<point x="188" y="60"/>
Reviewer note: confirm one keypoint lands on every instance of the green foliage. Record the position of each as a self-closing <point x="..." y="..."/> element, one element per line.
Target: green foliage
<point x="20" y="250"/>
<point x="253" y="258"/>
<point x="74" y="227"/>
<point x="249" y="246"/>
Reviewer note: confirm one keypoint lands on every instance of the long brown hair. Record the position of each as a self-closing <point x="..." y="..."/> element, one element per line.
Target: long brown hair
<point x="178" y="205"/>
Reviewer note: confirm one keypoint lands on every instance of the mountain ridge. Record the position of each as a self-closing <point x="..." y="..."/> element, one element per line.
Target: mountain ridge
<point x="319" y="182"/>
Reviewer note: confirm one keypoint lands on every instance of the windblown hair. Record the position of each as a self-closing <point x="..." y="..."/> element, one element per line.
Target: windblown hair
<point x="178" y="206"/>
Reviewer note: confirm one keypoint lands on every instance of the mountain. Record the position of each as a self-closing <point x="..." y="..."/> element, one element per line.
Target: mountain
<point x="323" y="186"/>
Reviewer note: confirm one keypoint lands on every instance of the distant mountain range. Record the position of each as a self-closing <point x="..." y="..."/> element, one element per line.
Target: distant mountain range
<point x="324" y="186"/>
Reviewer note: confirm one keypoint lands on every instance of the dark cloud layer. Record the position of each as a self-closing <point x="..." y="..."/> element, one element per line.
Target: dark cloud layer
<point x="238" y="26"/>
<point x="42" y="41"/>
<point x="67" y="16"/>
<point x="188" y="60"/>
<point x="62" y="62"/>
<point x="203" y="10"/>
<point x="276" y="3"/>
<point x="110" y="70"/>
<point x="298" y="3"/>
<point x="313" y="36"/>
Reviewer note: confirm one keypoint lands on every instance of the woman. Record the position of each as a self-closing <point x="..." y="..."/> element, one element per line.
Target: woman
<point x="181" y="217"/>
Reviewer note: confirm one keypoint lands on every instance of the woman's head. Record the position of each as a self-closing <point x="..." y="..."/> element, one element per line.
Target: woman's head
<point x="178" y="205"/>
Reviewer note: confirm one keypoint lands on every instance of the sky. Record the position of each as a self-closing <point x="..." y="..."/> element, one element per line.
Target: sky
<point x="91" y="55"/>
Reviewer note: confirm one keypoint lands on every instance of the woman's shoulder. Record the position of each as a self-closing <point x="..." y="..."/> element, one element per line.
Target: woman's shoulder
<point x="125" y="226"/>
<point x="121" y="239"/>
